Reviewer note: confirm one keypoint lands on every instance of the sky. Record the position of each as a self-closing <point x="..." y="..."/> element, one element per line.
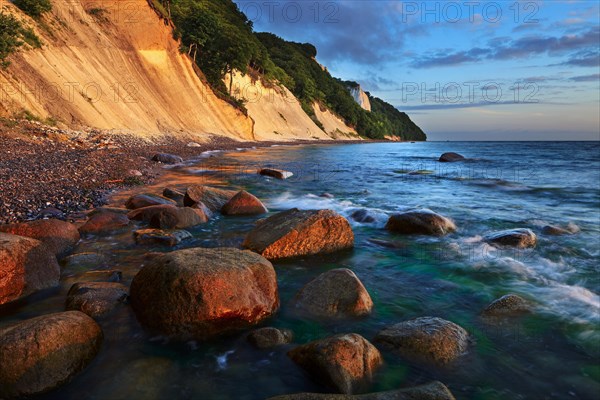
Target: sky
<point x="462" y="70"/>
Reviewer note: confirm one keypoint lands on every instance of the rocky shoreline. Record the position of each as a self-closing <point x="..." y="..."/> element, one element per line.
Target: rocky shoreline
<point x="51" y="172"/>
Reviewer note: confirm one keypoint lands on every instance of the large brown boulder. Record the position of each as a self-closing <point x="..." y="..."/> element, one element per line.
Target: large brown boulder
<point x="213" y="198"/>
<point x="244" y="203"/>
<point x="197" y="293"/>
<point x="430" y="391"/>
<point x="420" y="222"/>
<point x="519" y="238"/>
<point x="296" y="233"/>
<point x="104" y="222"/>
<point x="451" y="157"/>
<point x="169" y="217"/>
<point x="147" y="200"/>
<point x="161" y="237"/>
<point x="174" y="195"/>
<point x="334" y="294"/>
<point x="96" y="299"/>
<point x="59" y="236"/>
<point x="346" y="363"/>
<point x="43" y="353"/>
<point x="26" y="266"/>
<point x="429" y="339"/>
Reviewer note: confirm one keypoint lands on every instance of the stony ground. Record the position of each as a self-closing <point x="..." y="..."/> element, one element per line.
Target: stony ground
<point x="47" y="171"/>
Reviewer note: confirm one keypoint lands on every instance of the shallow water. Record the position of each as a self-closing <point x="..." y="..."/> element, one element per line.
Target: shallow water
<point x="552" y="353"/>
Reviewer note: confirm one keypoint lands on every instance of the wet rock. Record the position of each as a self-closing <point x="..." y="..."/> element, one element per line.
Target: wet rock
<point x="431" y="391"/>
<point x="161" y="237"/>
<point x="43" y="353"/>
<point x="265" y="338"/>
<point x="519" y="238"/>
<point x="296" y="233"/>
<point x="213" y="198"/>
<point x="244" y="203"/>
<point x="198" y="293"/>
<point x="108" y="275"/>
<point x="346" y="363"/>
<point x="202" y="207"/>
<point x="387" y="244"/>
<point x="169" y="217"/>
<point x="507" y="305"/>
<point x="167" y="158"/>
<point x="134" y="172"/>
<point x="84" y="260"/>
<point x="420" y="222"/>
<point x="51" y="212"/>
<point x="552" y="230"/>
<point x="275" y="173"/>
<point x="327" y="195"/>
<point x="451" y="157"/>
<point x="96" y="299"/>
<point x="26" y="266"/>
<point x="429" y="339"/>
<point x="147" y="200"/>
<point x="104" y="222"/>
<point x="59" y="236"/>
<point x="362" y="216"/>
<point x="174" y="194"/>
<point x="334" y="294"/>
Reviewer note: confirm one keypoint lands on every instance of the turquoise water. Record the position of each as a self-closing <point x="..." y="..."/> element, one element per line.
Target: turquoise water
<point x="550" y="354"/>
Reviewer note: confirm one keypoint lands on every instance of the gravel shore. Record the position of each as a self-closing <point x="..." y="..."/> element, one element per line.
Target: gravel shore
<point x="46" y="171"/>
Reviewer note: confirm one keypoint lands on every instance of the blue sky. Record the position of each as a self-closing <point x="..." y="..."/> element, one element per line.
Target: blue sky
<point x="463" y="70"/>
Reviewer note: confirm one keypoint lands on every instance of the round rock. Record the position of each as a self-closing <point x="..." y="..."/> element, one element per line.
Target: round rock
<point x="198" y="293"/>
<point x="519" y="238"/>
<point x="96" y="299"/>
<point x="59" y="236"/>
<point x="507" y="305"/>
<point x="451" y="157"/>
<point x="420" y="222"/>
<point x="147" y="200"/>
<point x="104" y="222"/>
<point x="265" y="338"/>
<point x="244" y="203"/>
<point x="213" y="198"/>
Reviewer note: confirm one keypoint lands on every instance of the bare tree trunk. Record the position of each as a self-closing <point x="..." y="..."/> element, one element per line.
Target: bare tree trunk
<point x="230" y="81"/>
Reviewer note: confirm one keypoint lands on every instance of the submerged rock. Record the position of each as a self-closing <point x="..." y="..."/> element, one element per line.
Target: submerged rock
<point x="59" y="236"/>
<point x="244" y="203"/>
<point x="275" y="173"/>
<point x="552" y="230"/>
<point x="337" y="293"/>
<point x="26" y="266"/>
<point x="429" y="339"/>
<point x="169" y="217"/>
<point x="104" y="222"/>
<point x="174" y="194"/>
<point x="519" y="238"/>
<point x="507" y="305"/>
<point x="346" y="363"/>
<point x="167" y="158"/>
<point x="84" y="260"/>
<point x="420" y="222"/>
<point x="147" y="200"/>
<point x="362" y="216"/>
<point x="96" y="299"/>
<point x="43" y="353"/>
<point x="213" y="198"/>
<point x="296" y="233"/>
<point x="161" y="237"/>
<point x="265" y="338"/>
<point x="430" y="391"/>
<point x="451" y="157"/>
<point x="198" y="293"/>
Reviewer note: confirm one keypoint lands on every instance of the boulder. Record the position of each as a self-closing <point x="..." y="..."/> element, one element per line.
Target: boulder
<point x="213" y="198"/>
<point x="265" y="338"/>
<point x="244" y="203"/>
<point x="346" y="362"/>
<point x="161" y="237"/>
<point x="169" y="217"/>
<point x="296" y="233"/>
<point x="362" y="216"/>
<point x="507" y="305"/>
<point x="429" y="339"/>
<point x="431" y="391"/>
<point x="198" y="293"/>
<point x="85" y="260"/>
<point x="59" y="236"/>
<point x="420" y="222"/>
<point x="167" y="158"/>
<point x="174" y="194"/>
<point x="104" y="222"/>
<point x="552" y="230"/>
<point x="334" y="294"/>
<point x="519" y="238"/>
<point x="96" y="299"/>
<point x="275" y="173"/>
<point x="451" y="157"/>
<point x="26" y="266"/>
<point x="43" y="353"/>
<point x="147" y="200"/>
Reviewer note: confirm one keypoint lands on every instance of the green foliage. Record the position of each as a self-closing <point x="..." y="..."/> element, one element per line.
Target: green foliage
<point x="34" y="8"/>
<point x="10" y="32"/>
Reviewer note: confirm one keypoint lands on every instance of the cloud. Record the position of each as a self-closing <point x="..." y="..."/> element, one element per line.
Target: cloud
<point x="586" y="78"/>
<point x="583" y="59"/>
<point x="446" y="106"/>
